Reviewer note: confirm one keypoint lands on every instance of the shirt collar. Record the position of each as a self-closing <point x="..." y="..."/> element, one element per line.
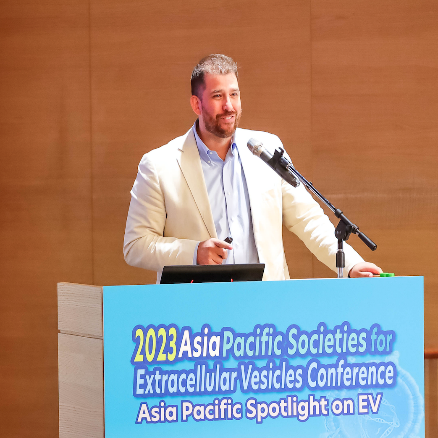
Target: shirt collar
<point x="204" y="150"/>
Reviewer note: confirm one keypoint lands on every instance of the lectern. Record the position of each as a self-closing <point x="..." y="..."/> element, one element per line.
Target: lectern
<point x="252" y="359"/>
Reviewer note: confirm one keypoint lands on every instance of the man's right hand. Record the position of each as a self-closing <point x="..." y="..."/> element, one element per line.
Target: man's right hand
<point x="212" y="252"/>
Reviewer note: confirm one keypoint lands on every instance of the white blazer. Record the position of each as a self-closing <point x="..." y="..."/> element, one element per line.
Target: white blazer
<point x="170" y="211"/>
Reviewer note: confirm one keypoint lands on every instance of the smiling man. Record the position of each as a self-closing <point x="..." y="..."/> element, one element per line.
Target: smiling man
<point x="205" y="186"/>
<point x="216" y="101"/>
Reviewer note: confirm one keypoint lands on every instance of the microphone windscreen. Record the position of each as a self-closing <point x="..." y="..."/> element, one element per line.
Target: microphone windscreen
<point x="254" y="146"/>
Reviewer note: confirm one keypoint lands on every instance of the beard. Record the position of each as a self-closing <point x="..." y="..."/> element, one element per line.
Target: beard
<point x="212" y="124"/>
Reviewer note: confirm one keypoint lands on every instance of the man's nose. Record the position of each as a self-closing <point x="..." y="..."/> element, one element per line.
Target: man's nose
<point x="228" y="106"/>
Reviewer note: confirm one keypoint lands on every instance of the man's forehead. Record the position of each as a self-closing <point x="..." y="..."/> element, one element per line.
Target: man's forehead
<point x="219" y="82"/>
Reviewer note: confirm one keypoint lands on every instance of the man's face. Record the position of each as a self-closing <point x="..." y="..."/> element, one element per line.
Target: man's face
<point x="219" y="107"/>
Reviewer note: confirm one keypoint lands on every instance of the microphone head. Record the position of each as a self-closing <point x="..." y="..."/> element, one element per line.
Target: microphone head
<point x="255" y="146"/>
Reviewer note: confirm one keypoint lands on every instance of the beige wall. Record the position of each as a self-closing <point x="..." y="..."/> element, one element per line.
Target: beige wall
<point x="87" y="87"/>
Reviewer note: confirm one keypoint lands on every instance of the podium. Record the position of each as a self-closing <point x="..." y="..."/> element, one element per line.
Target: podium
<point x="80" y="361"/>
<point x="256" y="359"/>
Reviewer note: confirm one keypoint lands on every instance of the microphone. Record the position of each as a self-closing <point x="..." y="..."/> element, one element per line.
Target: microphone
<point x="277" y="162"/>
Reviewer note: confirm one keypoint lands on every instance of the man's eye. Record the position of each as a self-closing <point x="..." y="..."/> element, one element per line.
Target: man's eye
<point x="215" y="96"/>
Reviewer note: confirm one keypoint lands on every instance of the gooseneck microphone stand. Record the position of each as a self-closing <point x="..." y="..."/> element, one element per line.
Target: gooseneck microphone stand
<point x="345" y="227"/>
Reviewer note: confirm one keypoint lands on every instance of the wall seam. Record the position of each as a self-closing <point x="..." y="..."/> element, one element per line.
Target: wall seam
<point x="311" y="111"/>
<point x="91" y="142"/>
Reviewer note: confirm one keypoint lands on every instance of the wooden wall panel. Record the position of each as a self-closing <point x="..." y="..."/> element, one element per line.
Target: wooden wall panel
<point x="431" y="397"/>
<point x="45" y="195"/>
<point x="142" y="58"/>
<point x="374" y="130"/>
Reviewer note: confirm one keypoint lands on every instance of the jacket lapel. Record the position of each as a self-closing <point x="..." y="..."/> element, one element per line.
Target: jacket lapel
<point x="252" y="182"/>
<point x="190" y="164"/>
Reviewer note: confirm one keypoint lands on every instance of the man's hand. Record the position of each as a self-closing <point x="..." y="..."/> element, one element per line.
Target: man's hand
<point x="364" y="269"/>
<point x="212" y="252"/>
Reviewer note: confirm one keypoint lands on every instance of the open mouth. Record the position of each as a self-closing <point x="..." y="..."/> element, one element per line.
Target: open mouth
<point x="228" y="117"/>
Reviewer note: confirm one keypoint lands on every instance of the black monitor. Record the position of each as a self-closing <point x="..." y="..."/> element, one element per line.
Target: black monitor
<point x="212" y="273"/>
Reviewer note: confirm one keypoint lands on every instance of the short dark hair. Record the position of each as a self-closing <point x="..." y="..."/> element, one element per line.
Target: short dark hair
<point x="213" y="64"/>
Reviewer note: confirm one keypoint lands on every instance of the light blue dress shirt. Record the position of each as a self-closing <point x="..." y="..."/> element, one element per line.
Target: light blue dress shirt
<point x="229" y="201"/>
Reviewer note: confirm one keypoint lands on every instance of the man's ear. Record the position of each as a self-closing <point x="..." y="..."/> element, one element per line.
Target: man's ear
<point x="195" y="103"/>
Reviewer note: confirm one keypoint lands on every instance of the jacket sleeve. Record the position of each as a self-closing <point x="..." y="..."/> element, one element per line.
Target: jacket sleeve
<point x="303" y="216"/>
<point x="144" y="244"/>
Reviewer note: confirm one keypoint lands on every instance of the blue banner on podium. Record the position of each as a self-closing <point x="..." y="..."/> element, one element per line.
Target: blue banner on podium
<point x="305" y="358"/>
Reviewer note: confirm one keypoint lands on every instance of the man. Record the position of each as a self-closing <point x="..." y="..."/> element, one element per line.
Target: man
<point x="205" y="186"/>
